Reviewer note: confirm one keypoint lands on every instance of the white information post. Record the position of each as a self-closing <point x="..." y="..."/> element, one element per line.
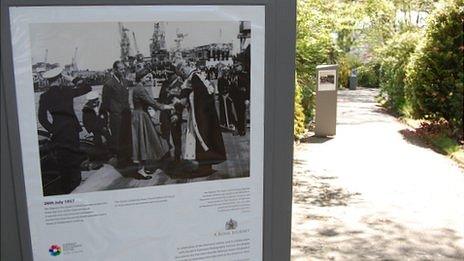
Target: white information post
<point x="113" y="172"/>
<point x="326" y="100"/>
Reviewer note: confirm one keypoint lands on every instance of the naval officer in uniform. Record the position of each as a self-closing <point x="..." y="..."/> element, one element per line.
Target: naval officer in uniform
<point x="58" y="101"/>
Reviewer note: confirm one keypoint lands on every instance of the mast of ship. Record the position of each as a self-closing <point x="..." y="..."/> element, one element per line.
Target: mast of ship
<point x="46" y="56"/>
<point x="73" y="61"/>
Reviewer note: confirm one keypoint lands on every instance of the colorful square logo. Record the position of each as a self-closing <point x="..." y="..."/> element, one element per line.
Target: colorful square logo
<point x="55" y="250"/>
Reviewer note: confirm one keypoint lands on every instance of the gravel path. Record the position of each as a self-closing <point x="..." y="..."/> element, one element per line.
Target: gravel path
<point x="371" y="194"/>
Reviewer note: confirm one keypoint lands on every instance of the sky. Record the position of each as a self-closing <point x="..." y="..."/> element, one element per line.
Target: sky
<point x="98" y="43"/>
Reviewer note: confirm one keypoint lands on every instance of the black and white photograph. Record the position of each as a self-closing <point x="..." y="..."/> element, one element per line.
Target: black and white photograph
<point x="328" y="79"/>
<point x="136" y="104"/>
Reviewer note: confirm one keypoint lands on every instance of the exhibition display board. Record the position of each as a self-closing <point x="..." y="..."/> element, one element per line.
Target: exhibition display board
<point x="143" y="131"/>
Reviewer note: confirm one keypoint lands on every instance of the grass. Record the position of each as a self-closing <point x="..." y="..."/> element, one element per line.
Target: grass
<point x="445" y="144"/>
<point x="437" y="136"/>
<point x="448" y="146"/>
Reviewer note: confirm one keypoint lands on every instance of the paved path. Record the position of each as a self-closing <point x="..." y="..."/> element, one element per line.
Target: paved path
<point x="369" y="194"/>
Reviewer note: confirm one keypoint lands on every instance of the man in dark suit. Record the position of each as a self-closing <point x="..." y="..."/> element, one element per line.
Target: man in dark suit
<point x="227" y="115"/>
<point x="115" y="105"/>
<point x="240" y="92"/>
<point x="58" y="101"/>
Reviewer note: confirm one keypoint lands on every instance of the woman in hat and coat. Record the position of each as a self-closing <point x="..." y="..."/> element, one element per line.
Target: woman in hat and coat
<point x="147" y="144"/>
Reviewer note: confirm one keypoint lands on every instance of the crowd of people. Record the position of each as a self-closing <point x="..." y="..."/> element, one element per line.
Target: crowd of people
<point x="187" y="114"/>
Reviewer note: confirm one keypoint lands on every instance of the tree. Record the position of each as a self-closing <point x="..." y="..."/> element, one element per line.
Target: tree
<point x="314" y="45"/>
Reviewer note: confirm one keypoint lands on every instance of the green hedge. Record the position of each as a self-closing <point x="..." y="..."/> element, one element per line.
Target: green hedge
<point x="393" y="59"/>
<point x="434" y="76"/>
<point x="368" y="74"/>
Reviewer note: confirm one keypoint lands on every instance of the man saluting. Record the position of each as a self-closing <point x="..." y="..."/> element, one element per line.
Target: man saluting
<point x="64" y="128"/>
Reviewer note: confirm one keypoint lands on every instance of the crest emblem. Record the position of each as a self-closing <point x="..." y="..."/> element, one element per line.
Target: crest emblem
<point x="231" y="224"/>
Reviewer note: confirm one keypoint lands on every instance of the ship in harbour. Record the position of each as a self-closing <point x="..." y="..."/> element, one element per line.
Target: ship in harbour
<point x="217" y="53"/>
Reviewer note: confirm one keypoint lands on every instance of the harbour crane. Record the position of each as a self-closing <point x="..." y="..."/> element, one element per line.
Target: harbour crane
<point x="135" y="43"/>
<point x="124" y="43"/>
<point x="179" y="39"/>
<point x="73" y="61"/>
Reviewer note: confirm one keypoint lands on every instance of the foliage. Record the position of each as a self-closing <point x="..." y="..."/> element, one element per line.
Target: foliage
<point x="434" y="76"/>
<point x="383" y="21"/>
<point x="347" y="22"/>
<point x="393" y="58"/>
<point x="412" y="12"/>
<point x="308" y="99"/>
<point x="445" y="144"/>
<point x="369" y="74"/>
<point x="313" y="46"/>
<point x="299" y="116"/>
<point x="439" y="135"/>
<point x="379" y="22"/>
<point x="379" y="38"/>
<point x="346" y="63"/>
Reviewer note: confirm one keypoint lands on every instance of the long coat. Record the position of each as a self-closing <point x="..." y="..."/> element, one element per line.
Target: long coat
<point x="146" y="142"/>
<point x="204" y="123"/>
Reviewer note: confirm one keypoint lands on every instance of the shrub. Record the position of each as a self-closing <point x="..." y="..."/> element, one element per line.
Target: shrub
<point x="393" y="58"/>
<point x="368" y="74"/>
<point x="314" y="46"/>
<point x="299" y="116"/>
<point x="346" y="63"/>
<point x="435" y="76"/>
<point x="308" y="98"/>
